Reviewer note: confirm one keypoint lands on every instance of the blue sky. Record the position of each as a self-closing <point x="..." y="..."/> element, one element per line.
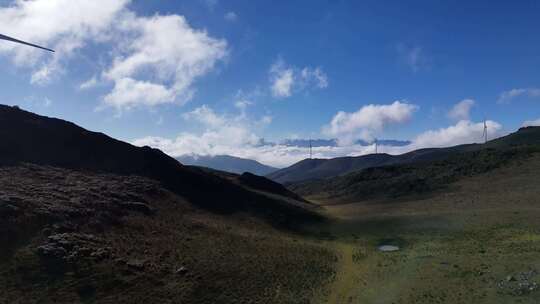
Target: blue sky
<point x="277" y="69"/>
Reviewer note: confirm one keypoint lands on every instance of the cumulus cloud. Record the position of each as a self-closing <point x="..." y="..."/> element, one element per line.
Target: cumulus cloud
<point x="234" y="135"/>
<point x="129" y="92"/>
<point x="65" y="25"/>
<point x="461" y="110"/>
<point x="285" y="79"/>
<point x="164" y="48"/>
<point x="271" y="154"/>
<point x="282" y="79"/>
<point x="463" y="132"/>
<point x="155" y="59"/>
<point x="508" y="96"/>
<point x="362" y="124"/>
<point x="531" y="123"/>
<point x="222" y="134"/>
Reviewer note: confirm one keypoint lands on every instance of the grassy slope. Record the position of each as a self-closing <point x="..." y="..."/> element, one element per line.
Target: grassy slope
<point x="317" y="169"/>
<point x="234" y="258"/>
<point x="458" y="245"/>
<point x="424" y="177"/>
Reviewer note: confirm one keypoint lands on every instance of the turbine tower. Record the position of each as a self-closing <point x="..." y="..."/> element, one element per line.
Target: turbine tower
<point x="310" y="149"/>
<point x="4" y="37"/>
<point x="485" y="134"/>
<point x="376" y="146"/>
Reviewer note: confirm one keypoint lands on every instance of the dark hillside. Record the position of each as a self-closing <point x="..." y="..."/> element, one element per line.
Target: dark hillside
<point x="426" y="176"/>
<point x="227" y="163"/>
<point x="313" y="169"/>
<point x="31" y="138"/>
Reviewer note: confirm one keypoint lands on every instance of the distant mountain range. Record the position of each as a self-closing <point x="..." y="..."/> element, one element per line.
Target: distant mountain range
<point x="239" y="165"/>
<point x="318" y="169"/>
<point x="227" y="163"/>
<point x="413" y="174"/>
<point x="304" y="143"/>
<point x="312" y="169"/>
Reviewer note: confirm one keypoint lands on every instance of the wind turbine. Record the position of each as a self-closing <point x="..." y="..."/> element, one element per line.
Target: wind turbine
<point x="4" y="37"/>
<point x="485" y="134"/>
<point x="310" y="149"/>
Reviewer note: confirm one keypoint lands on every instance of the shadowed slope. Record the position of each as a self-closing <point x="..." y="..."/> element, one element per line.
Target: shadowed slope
<point x="429" y="172"/>
<point x="227" y="163"/>
<point x="312" y="169"/>
<point x="30" y="138"/>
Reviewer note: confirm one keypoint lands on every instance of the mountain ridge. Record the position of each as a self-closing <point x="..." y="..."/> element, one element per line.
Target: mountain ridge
<point x="54" y="142"/>
<point x="227" y="163"/>
<point x="312" y="169"/>
<point x="423" y="172"/>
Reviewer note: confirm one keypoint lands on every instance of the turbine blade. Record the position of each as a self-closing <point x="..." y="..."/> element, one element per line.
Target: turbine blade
<point x="4" y="37"/>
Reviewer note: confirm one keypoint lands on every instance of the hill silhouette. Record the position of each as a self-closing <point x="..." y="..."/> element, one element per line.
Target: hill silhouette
<point x="107" y="222"/>
<point x="31" y="138"/>
<point x="312" y="169"/>
<point x="423" y="171"/>
<point x="227" y="163"/>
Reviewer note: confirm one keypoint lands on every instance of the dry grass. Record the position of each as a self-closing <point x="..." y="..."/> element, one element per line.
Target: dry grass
<point x="233" y="258"/>
<point x="458" y="246"/>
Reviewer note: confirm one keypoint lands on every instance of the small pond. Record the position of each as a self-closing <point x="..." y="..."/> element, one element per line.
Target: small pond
<point x="388" y="248"/>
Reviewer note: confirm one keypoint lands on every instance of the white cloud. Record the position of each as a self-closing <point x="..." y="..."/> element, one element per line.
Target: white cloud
<point x="206" y="116"/>
<point x="155" y="60"/>
<point x="242" y="104"/>
<point x="531" y="123"/>
<point x="463" y="132"/>
<point x="64" y="25"/>
<point x="129" y="93"/>
<point x="349" y="127"/>
<point x="285" y="80"/>
<point x="282" y="79"/>
<point x="168" y="51"/>
<point x="230" y="16"/>
<point x="461" y="110"/>
<point x="232" y="136"/>
<point x="507" y="96"/>
<point x="90" y="83"/>
<point x="315" y="75"/>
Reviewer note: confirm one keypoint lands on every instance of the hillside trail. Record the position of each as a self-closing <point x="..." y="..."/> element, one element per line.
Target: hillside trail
<point x="346" y="285"/>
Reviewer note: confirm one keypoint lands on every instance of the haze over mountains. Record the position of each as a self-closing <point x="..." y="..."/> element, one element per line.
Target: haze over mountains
<point x="240" y="165"/>
<point x="414" y="173"/>
<point x="227" y="163"/>
<point x="305" y="143"/>
<point x="314" y="169"/>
